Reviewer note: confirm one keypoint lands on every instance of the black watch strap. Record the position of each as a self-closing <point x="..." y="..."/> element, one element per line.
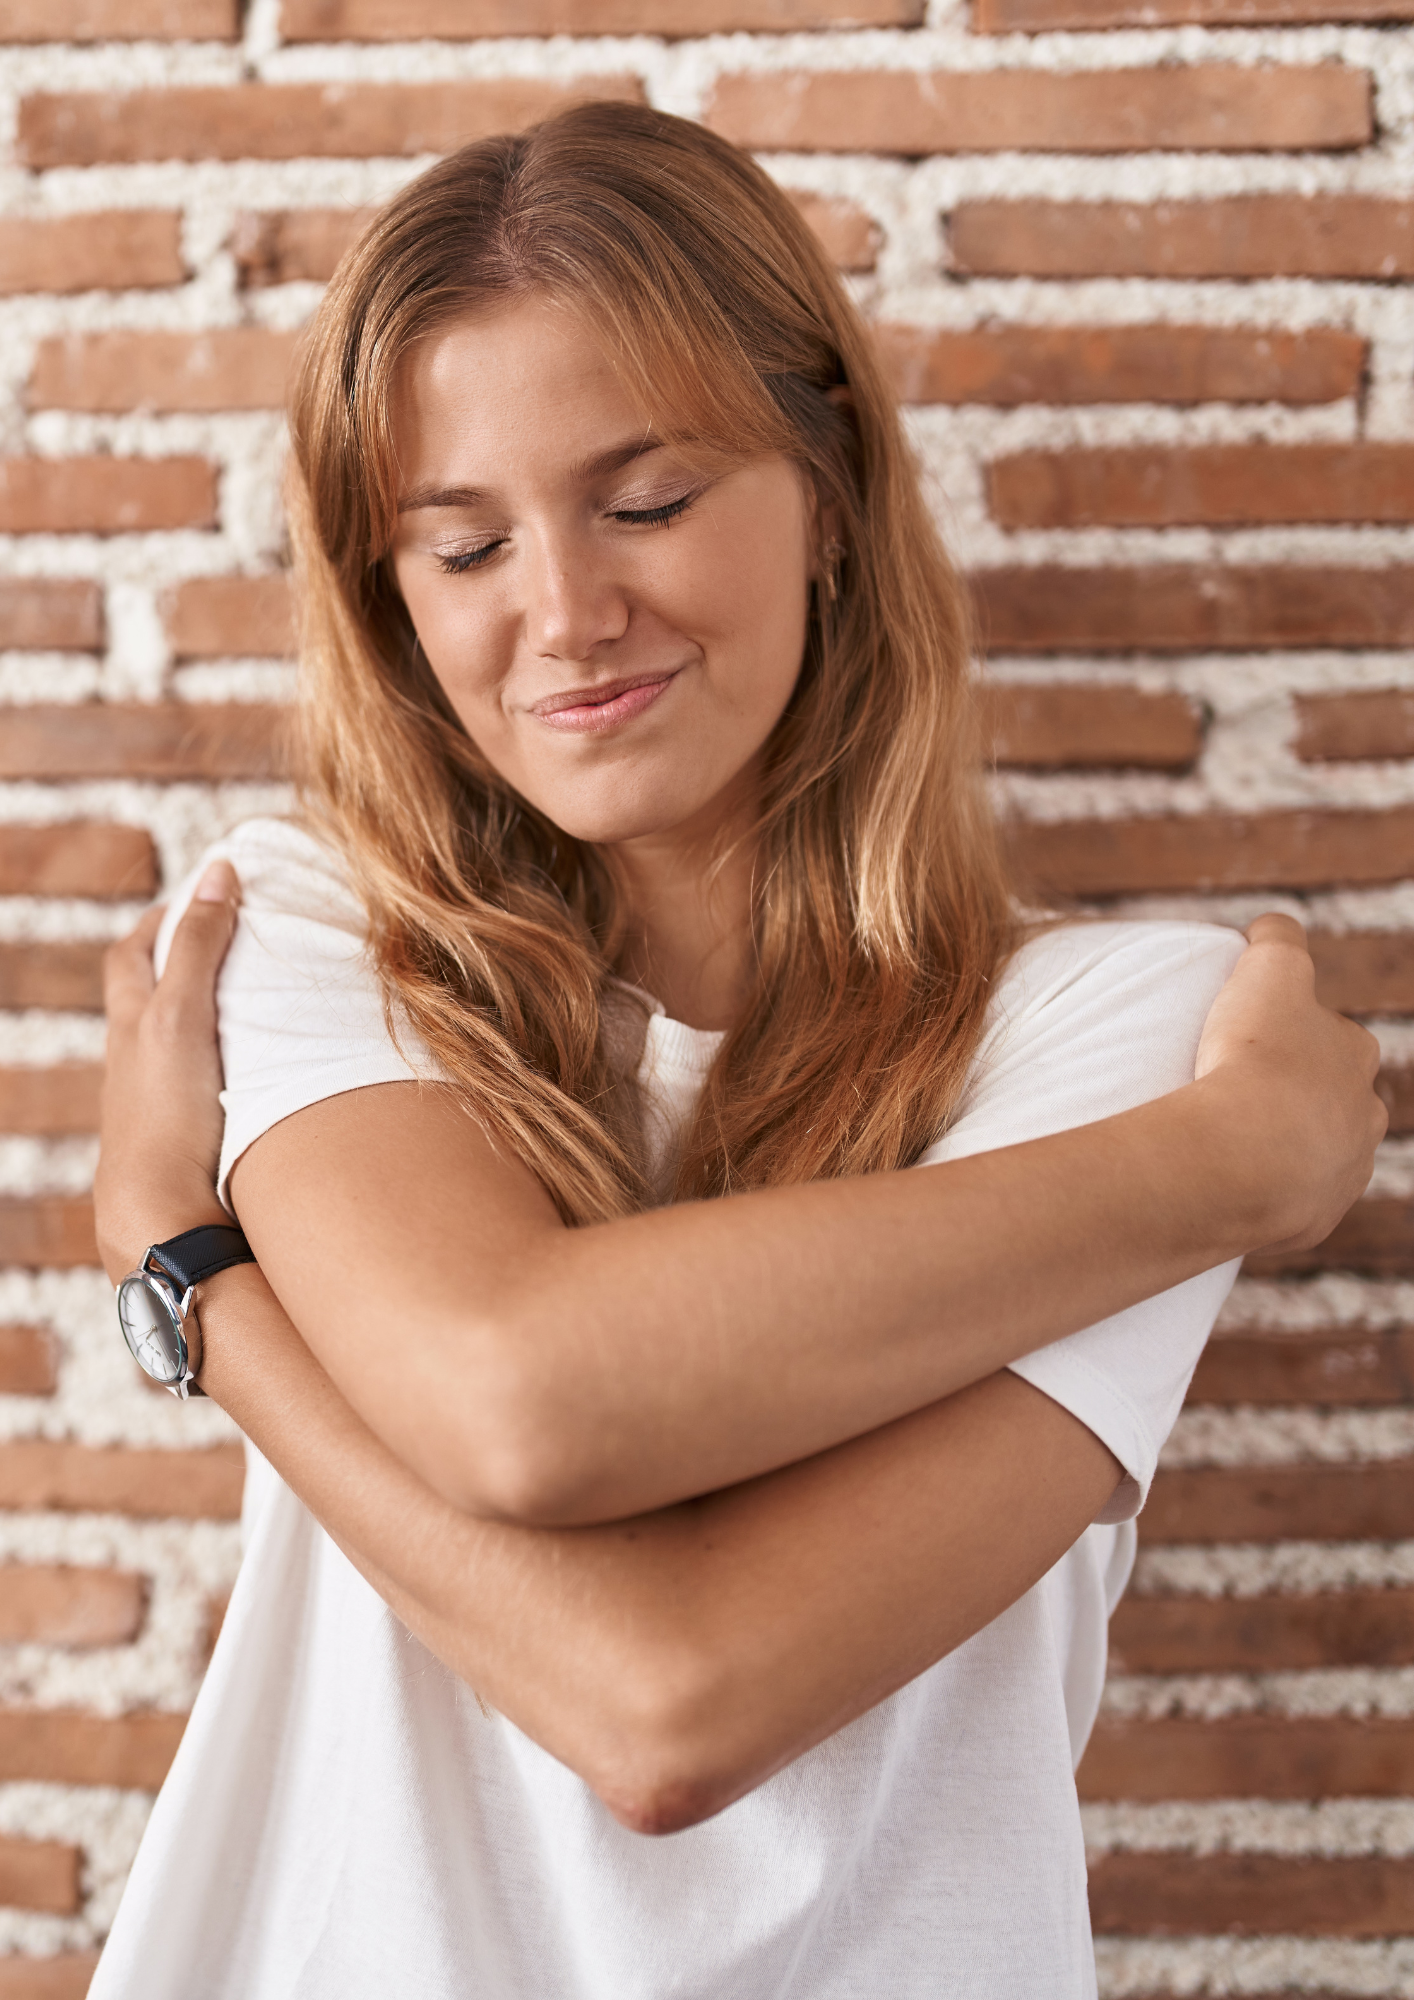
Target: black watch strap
<point x="201" y="1253"/>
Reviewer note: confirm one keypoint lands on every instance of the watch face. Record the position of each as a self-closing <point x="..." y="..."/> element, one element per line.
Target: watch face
<point x="151" y="1328"/>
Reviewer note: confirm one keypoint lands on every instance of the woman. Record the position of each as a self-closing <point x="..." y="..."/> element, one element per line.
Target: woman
<point x="644" y="923"/>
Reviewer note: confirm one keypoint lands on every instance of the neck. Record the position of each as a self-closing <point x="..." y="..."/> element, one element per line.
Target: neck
<point x="689" y="930"/>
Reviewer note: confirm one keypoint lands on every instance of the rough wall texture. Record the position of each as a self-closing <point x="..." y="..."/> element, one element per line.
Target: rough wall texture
<point x="1138" y="265"/>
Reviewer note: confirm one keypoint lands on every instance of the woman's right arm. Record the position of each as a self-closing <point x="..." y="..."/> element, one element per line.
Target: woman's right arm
<point x="676" y="1661"/>
<point x="546" y="1374"/>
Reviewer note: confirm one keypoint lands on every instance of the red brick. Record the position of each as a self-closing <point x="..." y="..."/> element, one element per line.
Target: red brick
<point x="1276" y="1503"/>
<point x="1376" y="1239"/>
<point x="1150" y="486"/>
<point x="850" y="237"/>
<point x="1054" y="727"/>
<point x="26" y="1361"/>
<point x="105" y="496"/>
<point x="1250" y="1895"/>
<point x="50" y="1101"/>
<point x="1240" y="1635"/>
<point x="212" y="616"/>
<point x="1277" y="850"/>
<point x="1182" y="607"/>
<point x="229" y="368"/>
<point x="63" y="1746"/>
<point x="280" y="246"/>
<point x="1241" y="236"/>
<point x="1365" y="972"/>
<point x="56" y="1605"/>
<point x="1248" y="1756"/>
<point x="1341" y="728"/>
<point x="48" y="1231"/>
<point x="46" y="614"/>
<point x="1349" y="1365"/>
<point x="116" y="250"/>
<point x="39" y="1875"/>
<point x="467" y="20"/>
<point x="56" y="1476"/>
<point x="169" y="739"/>
<point x="1005" y="17"/>
<point x="1212" y="107"/>
<point x="66" y="1977"/>
<point x="68" y="976"/>
<point x="1396" y="1087"/>
<point x="77" y="858"/>
<point x="120" y="20"/>
<point x="1007" y="365"/>
<point x="290" y="121"/>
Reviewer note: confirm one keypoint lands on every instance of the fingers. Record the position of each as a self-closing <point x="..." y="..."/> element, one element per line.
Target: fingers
<point x="127" y="969"/>
<point x="1273" y="928"/>
<point x="219" y="884"/>
<point x="200" y="942"/>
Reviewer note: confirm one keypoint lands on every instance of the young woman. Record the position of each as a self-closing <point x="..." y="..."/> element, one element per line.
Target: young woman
<point x="638" y="1448"/>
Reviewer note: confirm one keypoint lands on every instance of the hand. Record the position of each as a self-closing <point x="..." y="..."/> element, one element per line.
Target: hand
<point x="1298" y="1087"/>
<point x="162" y="1119"/>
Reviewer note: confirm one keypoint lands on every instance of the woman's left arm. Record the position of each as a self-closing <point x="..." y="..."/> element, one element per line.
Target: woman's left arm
<point x="676" y="1660"/>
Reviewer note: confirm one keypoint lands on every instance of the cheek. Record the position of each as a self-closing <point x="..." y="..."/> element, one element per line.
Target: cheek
<point x="460" y="650"/>
<point x="745" y="595"/>
<point x="769" y="614"/>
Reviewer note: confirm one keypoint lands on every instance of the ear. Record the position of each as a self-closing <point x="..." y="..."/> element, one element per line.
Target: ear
<point x="831" y="524"/>
<point x="826" y="522"/>
<point x="826" y="531"/>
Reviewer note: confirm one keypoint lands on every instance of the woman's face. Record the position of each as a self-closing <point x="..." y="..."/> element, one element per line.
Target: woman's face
<point x="618" y="634"/>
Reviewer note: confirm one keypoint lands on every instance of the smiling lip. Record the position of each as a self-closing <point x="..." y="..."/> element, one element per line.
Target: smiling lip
<point x="602" y="707"/>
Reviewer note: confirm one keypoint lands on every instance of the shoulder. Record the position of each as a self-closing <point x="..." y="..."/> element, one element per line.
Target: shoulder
<point x="1089" y="1020"/>
<point x="278" y="859"/>
<point x="1069" y="971"/>
<point x="298" y="981"/>
<point x="300" y="1005"/>
<point x="292" y="883"/>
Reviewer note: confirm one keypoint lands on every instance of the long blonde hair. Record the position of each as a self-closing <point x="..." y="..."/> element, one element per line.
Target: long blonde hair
<point x="880" y="909"/>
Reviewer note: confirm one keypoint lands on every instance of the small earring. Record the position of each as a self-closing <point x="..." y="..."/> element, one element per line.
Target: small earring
<point x="833" y="554"/>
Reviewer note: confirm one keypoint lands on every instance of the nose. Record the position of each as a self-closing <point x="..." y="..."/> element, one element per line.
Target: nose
<point x="573" y="602"/>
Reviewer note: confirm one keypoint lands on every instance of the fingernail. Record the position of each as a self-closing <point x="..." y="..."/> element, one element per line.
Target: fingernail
<point x="213" y="886"/>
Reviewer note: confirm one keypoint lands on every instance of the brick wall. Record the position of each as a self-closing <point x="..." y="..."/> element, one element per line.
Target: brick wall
<point x="1138" y="269"/>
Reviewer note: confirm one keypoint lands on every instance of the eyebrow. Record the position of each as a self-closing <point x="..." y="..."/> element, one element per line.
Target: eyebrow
<point x="598" y="467"/>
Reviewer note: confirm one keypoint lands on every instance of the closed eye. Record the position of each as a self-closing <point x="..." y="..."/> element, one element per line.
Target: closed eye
<point x="637" y="517"/>
<point x="467" y="559"/>
<point x="655" y="517"/>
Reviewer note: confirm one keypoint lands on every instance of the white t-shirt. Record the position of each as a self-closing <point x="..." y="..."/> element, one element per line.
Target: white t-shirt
<point x="344" y="1822"/>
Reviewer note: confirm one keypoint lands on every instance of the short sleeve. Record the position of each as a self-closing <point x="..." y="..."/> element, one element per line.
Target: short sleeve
<point x="1090" y="1020"/>
<point x="301" y="1009"/>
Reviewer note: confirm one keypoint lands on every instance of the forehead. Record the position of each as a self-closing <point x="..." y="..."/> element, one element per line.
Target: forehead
<point x="529" y="381"/>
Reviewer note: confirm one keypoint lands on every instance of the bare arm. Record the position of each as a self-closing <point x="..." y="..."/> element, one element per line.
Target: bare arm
<point x="549" y="1374"/>
<point x="676" y="1661"/>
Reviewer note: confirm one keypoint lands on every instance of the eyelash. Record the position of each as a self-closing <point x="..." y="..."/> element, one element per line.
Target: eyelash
<point x="657" y="517"/>
<point x="639" y="517"/>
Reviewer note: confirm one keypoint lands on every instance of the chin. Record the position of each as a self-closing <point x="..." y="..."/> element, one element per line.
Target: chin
<point x="610" y="821"/>
<point x="614" y="829"/>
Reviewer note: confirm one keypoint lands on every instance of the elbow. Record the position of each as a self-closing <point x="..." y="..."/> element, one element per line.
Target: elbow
<point x="670" y="1803"/>
<point x="672" y="1755"/>
<point x="524" y="1485"/>
<point x="508" y="1449"/>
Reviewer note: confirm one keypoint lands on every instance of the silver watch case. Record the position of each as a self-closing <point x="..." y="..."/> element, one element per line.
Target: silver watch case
<point x="163" y="1336"/>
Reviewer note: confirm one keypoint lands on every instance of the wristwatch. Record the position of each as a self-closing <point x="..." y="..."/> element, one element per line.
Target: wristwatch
<point x="154" y="1302"/>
